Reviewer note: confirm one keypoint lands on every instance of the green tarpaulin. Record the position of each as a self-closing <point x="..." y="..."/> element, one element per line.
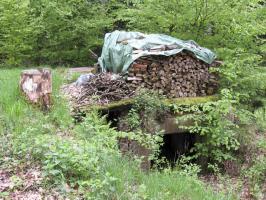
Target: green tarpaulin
<point x="121" y="48"/>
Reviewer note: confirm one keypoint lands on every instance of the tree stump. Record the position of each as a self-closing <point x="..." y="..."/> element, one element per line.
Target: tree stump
<point x="36" y="84"/>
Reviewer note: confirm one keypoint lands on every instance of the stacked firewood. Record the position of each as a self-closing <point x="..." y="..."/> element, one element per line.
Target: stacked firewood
<point x="181" y="75"/>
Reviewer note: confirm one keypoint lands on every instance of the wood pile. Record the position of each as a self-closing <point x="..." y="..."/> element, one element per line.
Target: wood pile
<point x="181" y="75"/>
<point x="103" y="88"/>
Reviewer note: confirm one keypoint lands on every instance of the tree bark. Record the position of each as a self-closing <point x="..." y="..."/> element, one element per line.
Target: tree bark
<point x="36" y="84"/>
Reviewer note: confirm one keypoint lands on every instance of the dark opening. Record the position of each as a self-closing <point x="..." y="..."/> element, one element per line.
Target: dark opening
<point x="112" y="117"/>
<point x="176" y="145"/>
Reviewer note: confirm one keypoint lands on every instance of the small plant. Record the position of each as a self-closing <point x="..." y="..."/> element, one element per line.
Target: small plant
<point x="187" y="168"/>
<point x="133" y="119"/>
<point x="257" y="172"/>
<point x="148" y="108"/>
<point x="150" y="103"/>
<point x="16" y="182"/>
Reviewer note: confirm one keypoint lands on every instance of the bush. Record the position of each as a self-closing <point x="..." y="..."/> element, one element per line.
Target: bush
<point x="218" y="123"/>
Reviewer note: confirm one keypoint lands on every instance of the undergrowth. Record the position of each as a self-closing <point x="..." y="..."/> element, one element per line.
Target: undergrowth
<point x="83" y="160"/>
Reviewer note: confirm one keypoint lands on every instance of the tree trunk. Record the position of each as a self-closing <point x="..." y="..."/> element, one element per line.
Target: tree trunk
<point x="36" y="84"/>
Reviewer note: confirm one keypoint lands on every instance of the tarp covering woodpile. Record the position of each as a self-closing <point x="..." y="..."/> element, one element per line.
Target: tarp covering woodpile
<point x="122" y="48"/>
<point x="132" y="61"/>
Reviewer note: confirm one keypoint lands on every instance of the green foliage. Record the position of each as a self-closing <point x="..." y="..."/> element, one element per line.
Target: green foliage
<point x="148" y="108"/>
<point x="141" y="122"/>
<point x="236" y="75"/>
<point x="187" y="167"/>
<point x="256" y="175"/>
<point x="260" y="115"/>
<point x="218" y="123"/>
<point x="67" y="30"/>
<point x="49" y="32"/>
<point x="62" y="32"/>
<point x="150" y="103"/>
<point x="15" y="27"/>
<point x="98" y="131"/>
<point x="215" y="24"/>
<point x="133" y="119"/>
<point x="257" y="171"/>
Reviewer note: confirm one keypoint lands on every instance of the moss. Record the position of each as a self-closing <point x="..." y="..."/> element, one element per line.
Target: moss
<point x="113" y="105"/>
<point x="190" y="100"/>
<point x="168" y="102"/>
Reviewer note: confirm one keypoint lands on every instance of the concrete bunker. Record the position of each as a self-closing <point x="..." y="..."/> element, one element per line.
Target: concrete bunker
<point x="176" y="69"/>
<point x="176" y="141"/>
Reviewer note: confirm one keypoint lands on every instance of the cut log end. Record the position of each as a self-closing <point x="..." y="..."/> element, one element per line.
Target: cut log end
<point x="36" y="84"/>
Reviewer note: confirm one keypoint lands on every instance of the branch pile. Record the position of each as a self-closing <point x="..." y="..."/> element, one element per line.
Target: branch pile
<point x="101" y="89"/>
<point x="181" y="75"/>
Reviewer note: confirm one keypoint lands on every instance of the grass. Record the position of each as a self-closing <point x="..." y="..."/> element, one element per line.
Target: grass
<point x="84" y="156"/>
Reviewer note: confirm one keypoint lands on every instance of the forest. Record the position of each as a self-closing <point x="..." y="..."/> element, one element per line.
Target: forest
<point x="55" y="154"/>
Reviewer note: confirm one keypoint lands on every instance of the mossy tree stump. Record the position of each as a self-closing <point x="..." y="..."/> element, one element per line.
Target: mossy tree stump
<point x="36" y="84"/>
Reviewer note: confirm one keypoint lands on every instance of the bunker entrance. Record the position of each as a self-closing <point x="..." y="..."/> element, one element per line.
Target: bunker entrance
<point x="175" y="145"/>
<point x="176" y="141"/>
